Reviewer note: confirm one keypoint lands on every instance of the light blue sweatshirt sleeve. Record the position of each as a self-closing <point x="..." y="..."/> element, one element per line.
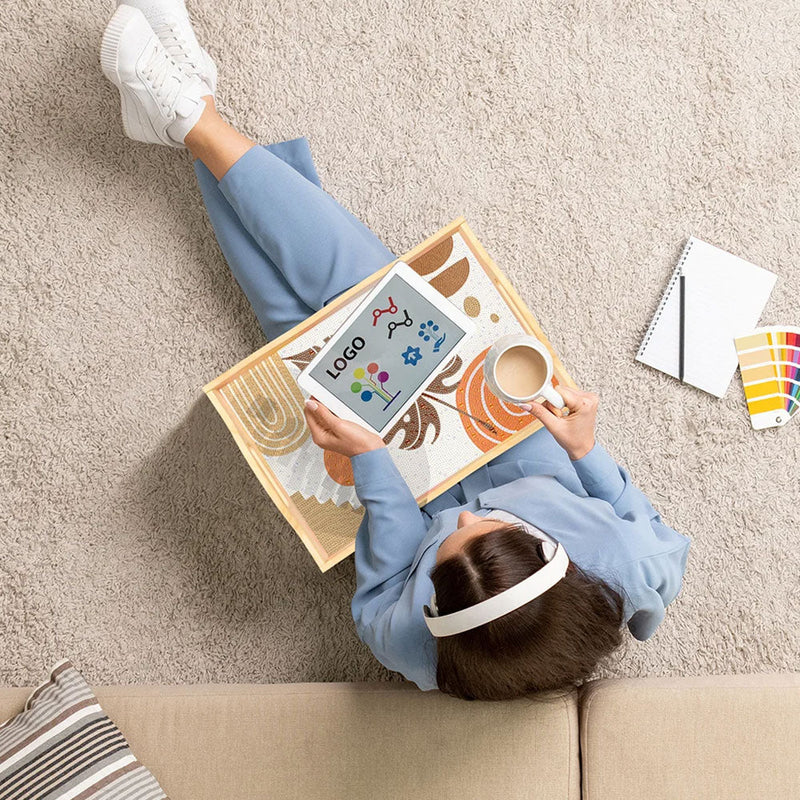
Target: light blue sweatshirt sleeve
<point x="603" y="478"/>
<point x="387" y="541"/>
<point x="654" y="580"/>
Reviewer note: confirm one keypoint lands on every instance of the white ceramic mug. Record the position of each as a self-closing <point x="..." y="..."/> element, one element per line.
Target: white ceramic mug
<point x="502" y="345"/>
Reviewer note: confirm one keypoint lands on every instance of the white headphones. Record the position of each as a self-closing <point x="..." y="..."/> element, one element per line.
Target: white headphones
<point x="501" y="604"/>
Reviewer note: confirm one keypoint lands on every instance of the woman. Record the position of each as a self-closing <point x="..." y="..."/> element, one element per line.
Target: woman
<point x="519" y="578"/>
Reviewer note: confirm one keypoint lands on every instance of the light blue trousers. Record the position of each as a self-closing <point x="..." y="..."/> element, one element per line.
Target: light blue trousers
<point x="291" y="247"/>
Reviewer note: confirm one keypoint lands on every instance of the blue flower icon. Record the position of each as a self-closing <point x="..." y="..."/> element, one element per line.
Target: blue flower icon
<point x="412" y="355"/>
<point x="427" y="330"/>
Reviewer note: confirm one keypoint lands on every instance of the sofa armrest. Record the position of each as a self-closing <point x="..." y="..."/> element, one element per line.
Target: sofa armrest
<point x="705" y="738"/>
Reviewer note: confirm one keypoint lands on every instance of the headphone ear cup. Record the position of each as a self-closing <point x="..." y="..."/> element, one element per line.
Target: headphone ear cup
<point x="431" y="610"/>
<point x="547" y="549"/>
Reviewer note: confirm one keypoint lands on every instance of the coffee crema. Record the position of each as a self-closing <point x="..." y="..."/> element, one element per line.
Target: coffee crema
<point x="521" y="371"/>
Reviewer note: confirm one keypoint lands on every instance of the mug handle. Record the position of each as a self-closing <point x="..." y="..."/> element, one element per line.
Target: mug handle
<point x="552" y="396"/>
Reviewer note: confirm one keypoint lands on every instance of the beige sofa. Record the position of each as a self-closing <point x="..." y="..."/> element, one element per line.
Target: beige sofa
<point x="695" y="738"/>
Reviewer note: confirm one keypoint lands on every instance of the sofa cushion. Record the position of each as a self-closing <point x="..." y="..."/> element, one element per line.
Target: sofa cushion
<point x="705" y="738"/>
<point x="62" y="745"/>
<point x="308" y="741"/>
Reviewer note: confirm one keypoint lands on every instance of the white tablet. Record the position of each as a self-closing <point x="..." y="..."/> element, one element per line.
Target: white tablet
<point x="387" y="352"/>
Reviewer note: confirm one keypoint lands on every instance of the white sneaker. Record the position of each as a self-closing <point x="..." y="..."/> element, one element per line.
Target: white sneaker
<point x="160" y="103"/>
<point x="169" y="20"/>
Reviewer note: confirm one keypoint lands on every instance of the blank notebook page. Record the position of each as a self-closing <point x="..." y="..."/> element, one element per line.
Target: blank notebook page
<point x="724" y="297"/>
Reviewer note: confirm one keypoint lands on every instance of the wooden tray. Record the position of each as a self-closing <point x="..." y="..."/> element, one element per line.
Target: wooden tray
<point x="456" y="426"/>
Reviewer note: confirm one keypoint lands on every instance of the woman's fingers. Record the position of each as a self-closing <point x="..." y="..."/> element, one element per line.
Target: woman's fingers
<point x="317" y="433"/>
<point x="574" y="399"/>
<point x="323" y="415"/>
<point x="570" y="396"/>
<point x="321" y="420"/>
<point x="554" y="409"/>
<point x="544" y="415"/>
<point x="535" y="408"/>
<point x="575" y="432"/>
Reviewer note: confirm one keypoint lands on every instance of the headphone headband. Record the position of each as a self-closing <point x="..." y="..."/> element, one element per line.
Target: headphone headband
<point x="501" y="604"/>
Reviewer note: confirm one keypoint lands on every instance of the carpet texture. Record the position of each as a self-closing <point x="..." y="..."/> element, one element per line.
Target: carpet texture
<point x="583" y="142"/>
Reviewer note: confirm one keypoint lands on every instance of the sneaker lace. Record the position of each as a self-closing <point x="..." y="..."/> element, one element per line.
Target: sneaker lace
<point x="160" y="72"/>
<point x="177" y="46"/>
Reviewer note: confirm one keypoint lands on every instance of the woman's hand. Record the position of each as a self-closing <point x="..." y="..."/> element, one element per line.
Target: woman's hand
<point x="333" y="433"/>
<point x="575" y="432"/>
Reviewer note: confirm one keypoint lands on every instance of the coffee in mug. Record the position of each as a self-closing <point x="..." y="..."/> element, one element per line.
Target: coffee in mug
<point x="520" y="371"/>
<point x="518" y="368"/>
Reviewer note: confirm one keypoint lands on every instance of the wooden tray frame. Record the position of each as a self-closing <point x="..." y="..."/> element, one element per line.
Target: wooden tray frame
<point x="267" y="477"/>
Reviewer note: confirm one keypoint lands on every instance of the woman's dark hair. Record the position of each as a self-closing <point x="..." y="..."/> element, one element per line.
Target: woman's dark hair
<point x="554" y="642"/>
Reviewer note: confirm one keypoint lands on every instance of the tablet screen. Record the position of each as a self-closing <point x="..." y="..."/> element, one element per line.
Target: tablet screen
<point x="390" y="350"/>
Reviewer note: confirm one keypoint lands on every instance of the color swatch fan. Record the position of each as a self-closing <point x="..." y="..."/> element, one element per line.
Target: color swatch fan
<point x="769" y="359"/>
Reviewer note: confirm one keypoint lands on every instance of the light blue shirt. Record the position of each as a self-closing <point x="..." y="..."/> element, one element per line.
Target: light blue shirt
<point x="607" y="526"/>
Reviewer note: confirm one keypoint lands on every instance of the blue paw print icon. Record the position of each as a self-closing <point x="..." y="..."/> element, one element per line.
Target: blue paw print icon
<point x="412" y="355"/>
<point x="427" y="329"/>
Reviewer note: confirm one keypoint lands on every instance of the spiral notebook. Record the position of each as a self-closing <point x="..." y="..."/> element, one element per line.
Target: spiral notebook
<point x="724" y="296"/>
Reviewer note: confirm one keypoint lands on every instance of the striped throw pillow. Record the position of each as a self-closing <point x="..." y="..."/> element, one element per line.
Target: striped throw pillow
<point x="63" y="747"/>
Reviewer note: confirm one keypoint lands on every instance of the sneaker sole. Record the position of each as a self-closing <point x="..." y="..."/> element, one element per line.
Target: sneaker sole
<point x="135" y="124"/>
<point x="109" y="47"/>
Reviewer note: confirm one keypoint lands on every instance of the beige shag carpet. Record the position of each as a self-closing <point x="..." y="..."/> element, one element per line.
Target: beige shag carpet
<point x="583" y="142"/>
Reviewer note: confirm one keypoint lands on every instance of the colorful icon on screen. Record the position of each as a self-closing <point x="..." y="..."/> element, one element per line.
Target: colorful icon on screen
<point x="369" y="383"/>
<point x="428" y="330"/>
<point x="393" y="326"/>
<point x="412" y="356"/>
<point x="377" y="312"/>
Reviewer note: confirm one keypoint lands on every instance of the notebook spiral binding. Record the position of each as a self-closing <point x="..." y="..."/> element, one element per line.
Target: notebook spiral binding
<point x="672" y="281"/>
